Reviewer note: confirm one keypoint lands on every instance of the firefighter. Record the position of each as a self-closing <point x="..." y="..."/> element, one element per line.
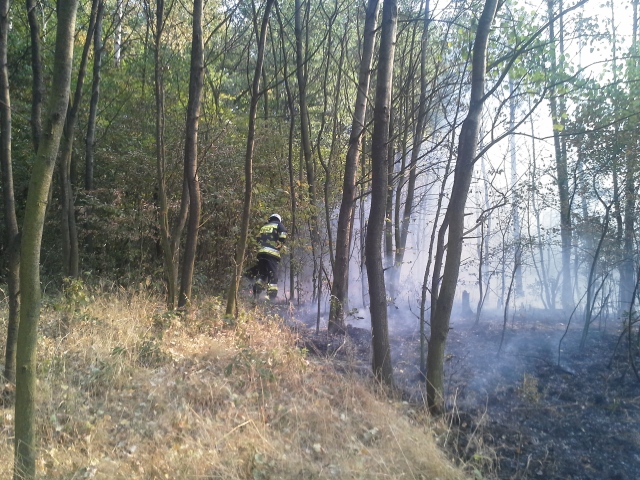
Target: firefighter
<point x="270" y="241"/>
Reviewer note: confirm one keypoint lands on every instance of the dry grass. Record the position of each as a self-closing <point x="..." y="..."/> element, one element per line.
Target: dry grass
<point x="129" y="392"/>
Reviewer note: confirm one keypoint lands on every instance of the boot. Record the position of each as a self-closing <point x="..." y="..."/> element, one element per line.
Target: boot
<point x="272" y="291"/>
<point x="258" y="287"/>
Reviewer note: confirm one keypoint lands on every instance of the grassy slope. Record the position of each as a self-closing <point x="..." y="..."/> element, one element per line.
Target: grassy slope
<point x="129" y="392"/>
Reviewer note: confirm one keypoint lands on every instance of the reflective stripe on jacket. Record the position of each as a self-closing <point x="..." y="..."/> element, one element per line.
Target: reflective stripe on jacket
<point x="271" y="238"/>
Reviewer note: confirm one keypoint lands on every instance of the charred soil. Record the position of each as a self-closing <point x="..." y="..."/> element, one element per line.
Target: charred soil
<point x="524" y="401"/>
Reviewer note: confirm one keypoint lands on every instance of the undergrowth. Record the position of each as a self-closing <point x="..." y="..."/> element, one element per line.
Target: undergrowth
<point x="129" y="391"/>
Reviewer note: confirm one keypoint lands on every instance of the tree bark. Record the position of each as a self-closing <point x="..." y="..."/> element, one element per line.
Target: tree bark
<point x="90" y="140"/>
<point x="248" y="166"/>
<point x="627" y="279"/>
<point x="327" y="165"/>
<point x="169" y="236"/>
<point x="37" y="199"/>
<point x="381" y="361"/>
<point x="454" y="217"/>
<point x="515" y="209"/>
<point x="591" y="296"/>
<point x="117" y="40"/>
<point x="305" y="138"/>
<point x="543" y="275"/>
<point x="292" y="179"/>
<point x="37" y="87"/>
<point x="10" y="218"/>
<point x="388" y="219"/>
<point x="343" y="232"/>
<point x="196" y="80"/>
<point x="70" y="251"/>
<point x="562" y="176"/>
<point x="416" y="145"/>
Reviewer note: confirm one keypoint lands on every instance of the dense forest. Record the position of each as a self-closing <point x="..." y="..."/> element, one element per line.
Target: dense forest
<point x="414" y="149"/>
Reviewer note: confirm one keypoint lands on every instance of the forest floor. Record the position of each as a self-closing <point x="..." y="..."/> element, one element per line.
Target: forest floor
<point x="515" y="409"/>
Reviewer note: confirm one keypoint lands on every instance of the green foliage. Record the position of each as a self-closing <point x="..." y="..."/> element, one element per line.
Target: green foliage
<point x="150" y="353"/>
<point x="247" y="361"/>
<point x="72" y="304"/>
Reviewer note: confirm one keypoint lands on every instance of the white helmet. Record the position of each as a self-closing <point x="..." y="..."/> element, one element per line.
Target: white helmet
<point x="276" y="216"/>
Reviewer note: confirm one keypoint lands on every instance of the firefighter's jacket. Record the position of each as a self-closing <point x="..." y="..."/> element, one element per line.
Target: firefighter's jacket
<point x="271" y="238"/>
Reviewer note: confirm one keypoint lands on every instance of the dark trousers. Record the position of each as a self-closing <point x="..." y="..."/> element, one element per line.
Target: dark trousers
<point x="267" y="268"/>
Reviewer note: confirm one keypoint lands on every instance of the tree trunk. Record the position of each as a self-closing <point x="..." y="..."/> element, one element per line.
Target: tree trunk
<point x="37" y="87"/>
<point x="627" y="279"/>
<point x="69" y="228"/>
<point x="305" y="138"/>
<point x="416" y="144"/>
<point x="37" y="199"/>
<point x="343" y="233"/>
<point x="562" y="176"/>
<point x="381" y="361"/>
<point x="437" y="259"/>
<point x="400" y="182"/>
<point x="10" y="218"/>
<point x="169" y="237"/>
<point x="196" y="79"/>
<point x="388" y="218"/>
<point x="292" y="180"/>
<point x="326" y="164"/>
<point x="248" y="166"/>
<point x="117" y="41"/>
<point x="543" y="275"/>
<point x="515" y="211"/>
<point x="90" y="141"/>
<point x="591" y="296"/>
<point x="454" y="217"/>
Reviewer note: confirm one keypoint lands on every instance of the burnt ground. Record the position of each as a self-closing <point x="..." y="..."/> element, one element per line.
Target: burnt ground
<point x="520" y="413"/>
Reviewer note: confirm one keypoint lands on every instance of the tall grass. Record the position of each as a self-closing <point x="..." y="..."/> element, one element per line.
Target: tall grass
<point x="129" y="391"/>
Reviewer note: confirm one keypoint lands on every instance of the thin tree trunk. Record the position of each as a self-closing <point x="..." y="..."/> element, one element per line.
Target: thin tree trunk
<point x="438" y="244"/>
<point x="30" y="288"/>
<point x="169" y="237"/>
<point x="562" y="177"/>
<point x="69" y="228"/>
<point x="483" y="248"/>
<point x="327" y="164"/>
<point x="248" y="167"/>
<point x="37" y="87"/>
<point x="10" y="219"/>
<point x="335" y="137"/>
<point x="454" y="217"/>
<point x="437" y="266"/>
<point x="417" y="142"/>
<point x="117" y="41"/>
<point x="305" y="138"/>
<point x="627" y="280"/>
<point x="196" y="80"/>
<point x="515" y="212"/>
<point x="90" y="141"/>
<point x="292" y="189"/>
<point x="343" y="233"/>
<point x="381" y="359"/>
<point x="388" y="218"/>
<point x="588" y="312"/>
<point x="505" y="316"/>
<point x="399" y="186"/>
<point x="90" y="138"/>
<point x="292" y="180"/>
<point x="543" y="274"/>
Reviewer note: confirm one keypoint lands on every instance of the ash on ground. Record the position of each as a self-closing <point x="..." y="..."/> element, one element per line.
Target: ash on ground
<point x="525" y="401"/>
